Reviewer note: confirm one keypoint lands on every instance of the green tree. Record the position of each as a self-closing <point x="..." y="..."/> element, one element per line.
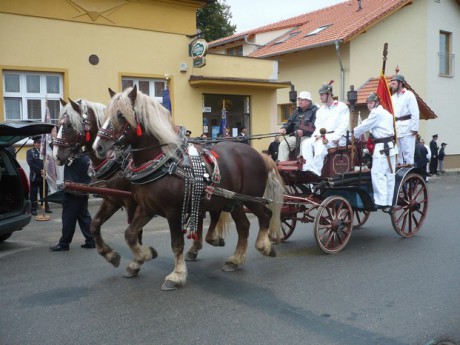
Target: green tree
<point x="214" y="21"/>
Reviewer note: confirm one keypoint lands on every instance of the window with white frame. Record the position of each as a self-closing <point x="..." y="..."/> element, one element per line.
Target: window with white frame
<point x="26" y="95"/>
<point x="152" y="87"/>
<point x="446" y="58"/>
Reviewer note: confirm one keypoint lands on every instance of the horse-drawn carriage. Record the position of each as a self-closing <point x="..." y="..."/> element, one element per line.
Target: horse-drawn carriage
<point x="160" y="178"/>
<point x="341" y="199"/>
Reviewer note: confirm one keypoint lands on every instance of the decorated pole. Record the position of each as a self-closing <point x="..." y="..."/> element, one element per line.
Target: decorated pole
<point x="79" y="187"/>
<point x="43" y="216"/>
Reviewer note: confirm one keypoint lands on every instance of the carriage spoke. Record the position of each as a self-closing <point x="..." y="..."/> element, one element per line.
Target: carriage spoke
<point x="410" y="212"/>
<point x="333" y="224"/>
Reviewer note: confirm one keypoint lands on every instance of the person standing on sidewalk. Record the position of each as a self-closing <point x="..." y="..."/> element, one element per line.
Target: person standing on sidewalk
<point x="434" y="155"/>
<point x="75" y="207"/>
<point x="36" y="177"/>
<point x="441" y="156"/>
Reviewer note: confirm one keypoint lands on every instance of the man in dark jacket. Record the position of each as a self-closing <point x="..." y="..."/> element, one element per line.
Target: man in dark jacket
<point x="36" y="176"/>
<point x="421" y="154"/>
<point x="300" y="125"/>
<point x="434" y="155"/>
<point x="273" y="148"/>
<point x="75" y="207"/>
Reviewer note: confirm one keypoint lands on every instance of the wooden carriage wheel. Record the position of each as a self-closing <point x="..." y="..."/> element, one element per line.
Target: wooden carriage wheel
<point x="411" y="206"/>
<point x="287" y="228"/>
<point x="359" y="218"/>
<point x="333" y="224"/>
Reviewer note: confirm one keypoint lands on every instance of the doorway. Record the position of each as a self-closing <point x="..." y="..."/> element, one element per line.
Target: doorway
<point x="235" y="109"/>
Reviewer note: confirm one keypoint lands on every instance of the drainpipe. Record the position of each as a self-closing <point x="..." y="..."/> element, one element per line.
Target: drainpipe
<point x="342" y="74"/>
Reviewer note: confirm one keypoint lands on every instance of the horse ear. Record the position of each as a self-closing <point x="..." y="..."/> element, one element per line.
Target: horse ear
<point x="133" y="95"/>
<point x="63" y="103"/>
<point x="75" y="106"/>
<point x="112" y="93"/>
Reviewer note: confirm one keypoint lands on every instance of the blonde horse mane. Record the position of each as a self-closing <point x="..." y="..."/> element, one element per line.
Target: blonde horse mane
<point x="154" y="118"/>
<point x="75" y="117"/>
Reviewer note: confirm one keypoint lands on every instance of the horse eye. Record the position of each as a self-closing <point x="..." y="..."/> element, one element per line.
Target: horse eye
<point x="120" y="115"/>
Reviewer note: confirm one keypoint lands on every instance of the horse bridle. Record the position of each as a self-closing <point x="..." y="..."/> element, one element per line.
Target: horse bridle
<point x="64" y="142"/>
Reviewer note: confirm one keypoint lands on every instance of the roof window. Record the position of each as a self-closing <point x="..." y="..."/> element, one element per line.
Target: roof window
<point x="285" y="38"/>
<point x="318" y="30"/>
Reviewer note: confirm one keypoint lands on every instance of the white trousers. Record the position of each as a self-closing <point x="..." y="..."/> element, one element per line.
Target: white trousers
<point x="314" y="152"/>
<point x="283" y="149"/>
<point x="383" y="181"/>
<point x="406" y="146"/>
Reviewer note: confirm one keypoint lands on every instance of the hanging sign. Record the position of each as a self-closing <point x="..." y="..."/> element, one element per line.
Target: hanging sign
<point x="199" y="50"/>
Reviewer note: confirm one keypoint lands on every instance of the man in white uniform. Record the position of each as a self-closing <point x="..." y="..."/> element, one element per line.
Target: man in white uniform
<point x="333" y="117"/>
<point x="407" y="119"/>
<point x="380" y="124"/>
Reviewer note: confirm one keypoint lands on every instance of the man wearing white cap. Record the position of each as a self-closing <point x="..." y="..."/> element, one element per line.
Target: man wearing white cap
<point x="300" y="125"/>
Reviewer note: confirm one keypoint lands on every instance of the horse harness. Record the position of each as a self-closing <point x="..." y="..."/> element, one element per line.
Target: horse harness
<point x="199" y="169"/>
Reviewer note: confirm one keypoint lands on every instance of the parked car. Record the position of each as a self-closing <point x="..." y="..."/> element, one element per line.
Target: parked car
<point x="14" y="184"/>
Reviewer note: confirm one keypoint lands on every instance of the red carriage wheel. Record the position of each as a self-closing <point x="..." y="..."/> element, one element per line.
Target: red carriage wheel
<point x="333" y="224"/>
<point x="287" y="228"/>
<point x="359" y="218"/>
<point x="408" y="214"/>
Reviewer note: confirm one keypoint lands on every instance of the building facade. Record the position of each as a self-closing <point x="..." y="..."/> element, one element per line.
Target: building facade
<point x="345" y="42"/>
<point x="78" y="49"/>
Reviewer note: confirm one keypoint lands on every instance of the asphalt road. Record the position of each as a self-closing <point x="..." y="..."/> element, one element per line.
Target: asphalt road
<point x="382" y="289"/>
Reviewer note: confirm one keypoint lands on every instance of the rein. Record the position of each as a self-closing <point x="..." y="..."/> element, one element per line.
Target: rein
<point x="206" y="141"/>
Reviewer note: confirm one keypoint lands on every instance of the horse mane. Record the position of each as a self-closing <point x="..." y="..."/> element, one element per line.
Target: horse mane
<point x="154" y="118"/>
<point x="97" y="108"/>
<point x="75" y="117"/>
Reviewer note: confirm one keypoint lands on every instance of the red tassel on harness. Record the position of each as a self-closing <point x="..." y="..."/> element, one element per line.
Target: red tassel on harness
<point x="138" y="130"/>
<point x="88" y="137"/>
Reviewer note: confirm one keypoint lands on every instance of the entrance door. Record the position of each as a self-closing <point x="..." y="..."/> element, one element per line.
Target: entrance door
<point x="236" y="109"/>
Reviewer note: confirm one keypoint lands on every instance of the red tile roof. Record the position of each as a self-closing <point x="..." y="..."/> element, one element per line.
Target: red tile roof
<point x="344" y="21"/>
<point x="371" y="86"/>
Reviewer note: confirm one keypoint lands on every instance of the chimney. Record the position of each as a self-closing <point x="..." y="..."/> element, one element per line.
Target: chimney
<point x="359" y="5"/>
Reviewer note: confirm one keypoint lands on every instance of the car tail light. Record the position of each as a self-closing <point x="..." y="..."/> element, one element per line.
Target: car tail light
<point x="24" y="180"/>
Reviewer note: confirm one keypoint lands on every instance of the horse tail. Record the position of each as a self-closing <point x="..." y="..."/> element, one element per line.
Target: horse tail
<point x="274" y="190"/>
<point x="223" y="224"/>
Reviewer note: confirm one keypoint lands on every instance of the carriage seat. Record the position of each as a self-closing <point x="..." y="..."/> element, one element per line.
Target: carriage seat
<point x="337" y="161"/>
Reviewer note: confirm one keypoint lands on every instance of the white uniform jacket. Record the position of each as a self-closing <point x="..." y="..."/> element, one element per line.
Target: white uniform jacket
<point x="405" y="103"/>
<point x="335" y="118"/>
<point x="380" y="124"/>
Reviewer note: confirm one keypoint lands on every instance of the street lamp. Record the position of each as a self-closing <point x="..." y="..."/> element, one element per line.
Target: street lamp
<point x="293" y="96"/>
<point x="352" y="96"/>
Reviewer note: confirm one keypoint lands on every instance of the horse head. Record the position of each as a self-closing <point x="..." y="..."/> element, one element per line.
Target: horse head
<point x="136" y="119"/>
<point x="78" y="125"/>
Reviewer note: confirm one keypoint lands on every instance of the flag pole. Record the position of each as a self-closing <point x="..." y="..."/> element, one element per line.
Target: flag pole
<point x="385" y="54"/>
<point x="43" y="216"/>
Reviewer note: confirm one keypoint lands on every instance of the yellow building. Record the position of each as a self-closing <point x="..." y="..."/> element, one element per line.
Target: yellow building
<point x="77" y="49"/>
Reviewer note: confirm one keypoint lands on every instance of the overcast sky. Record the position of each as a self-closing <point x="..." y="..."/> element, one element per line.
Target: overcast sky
<point x="251" y="14"/>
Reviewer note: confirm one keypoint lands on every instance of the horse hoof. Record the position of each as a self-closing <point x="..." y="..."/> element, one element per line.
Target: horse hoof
<point x="154" y="252"/>
<point x="115" y="259"/>
<point x="221" y="242"/>
<point x="272" y="253"/>
<point x="191" y="256"/>
<point x="169" y="285"/>
<point x="130" y="273"/>
<point x="229" y="267"/>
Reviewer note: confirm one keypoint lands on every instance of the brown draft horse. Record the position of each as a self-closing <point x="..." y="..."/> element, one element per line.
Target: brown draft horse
<point x="146" y="125"/>
<point x="78" y="125"/>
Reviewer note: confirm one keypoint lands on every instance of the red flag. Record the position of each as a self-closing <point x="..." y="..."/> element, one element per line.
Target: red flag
<point x="383" y="91"/>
